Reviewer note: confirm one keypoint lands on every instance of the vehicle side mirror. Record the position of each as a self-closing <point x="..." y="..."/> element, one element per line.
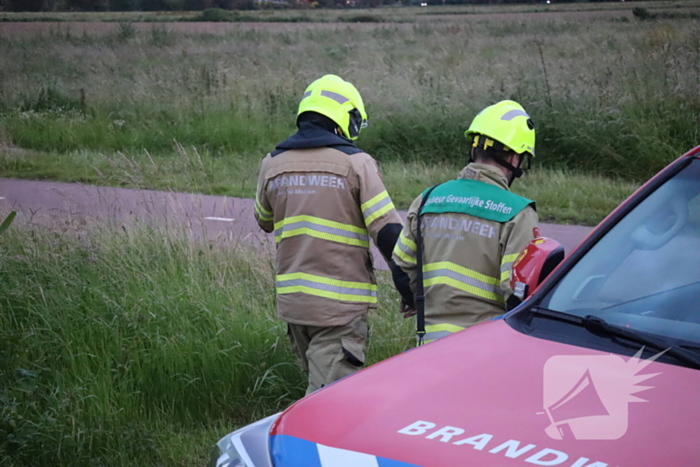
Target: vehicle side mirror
<point x="532" y="266"/>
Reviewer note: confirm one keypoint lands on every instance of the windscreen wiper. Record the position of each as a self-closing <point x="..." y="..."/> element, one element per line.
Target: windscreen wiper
<point x="598" y="326"/>
<point x="694" y="348"/>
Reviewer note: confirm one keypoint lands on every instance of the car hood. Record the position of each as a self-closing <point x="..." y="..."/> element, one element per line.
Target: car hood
<point x="492" y="396"/>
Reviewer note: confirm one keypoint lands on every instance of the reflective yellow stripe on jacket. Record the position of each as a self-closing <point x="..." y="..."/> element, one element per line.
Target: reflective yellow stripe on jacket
<point x="437" y="331"/>
<point x="321" y="228"/>
<point x="376" y="207"/>
<point x="507" y="266"/>
<point x="406" y="249"/>
<point x="300" y="282"/>
<point x="263" y="213"/>
<point x="463" y="279"/>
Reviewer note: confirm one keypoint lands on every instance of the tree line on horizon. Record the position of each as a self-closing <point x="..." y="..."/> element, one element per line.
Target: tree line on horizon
<point x="199" y="5"/>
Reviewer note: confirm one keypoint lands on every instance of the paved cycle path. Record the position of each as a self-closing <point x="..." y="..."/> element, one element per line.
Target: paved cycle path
<point x="74" y="206"/>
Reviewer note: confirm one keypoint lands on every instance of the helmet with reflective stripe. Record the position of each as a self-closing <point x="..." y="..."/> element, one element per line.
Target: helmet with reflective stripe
<point x="507" y="123"/>
<point x="338" y="100"/>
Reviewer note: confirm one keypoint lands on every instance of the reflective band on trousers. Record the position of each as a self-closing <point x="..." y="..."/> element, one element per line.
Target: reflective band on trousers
<point x="376" y="207"/>
<point x="437" y="331"/>
<point x="463" y="279"/>
<point x="334" y="289"/>
<point x="507" y="265"/>
<point x="406" y="249"/>
<point x="321" y="228"/>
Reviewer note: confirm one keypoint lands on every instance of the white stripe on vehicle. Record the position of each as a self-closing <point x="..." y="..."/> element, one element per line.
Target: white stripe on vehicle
<point x="334" y="457"/>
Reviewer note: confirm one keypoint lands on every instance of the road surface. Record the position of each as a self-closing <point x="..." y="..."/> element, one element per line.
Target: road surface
<point x="217" y="218"/>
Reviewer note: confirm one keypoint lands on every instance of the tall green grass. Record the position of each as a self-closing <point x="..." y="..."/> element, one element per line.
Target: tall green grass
<point x="142" y="348"/>
<point x="611" y="98"/>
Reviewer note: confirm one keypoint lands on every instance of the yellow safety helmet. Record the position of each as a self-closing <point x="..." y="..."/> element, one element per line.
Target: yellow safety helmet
<point x="507" y="123"/>
<point x="337" y="100"/>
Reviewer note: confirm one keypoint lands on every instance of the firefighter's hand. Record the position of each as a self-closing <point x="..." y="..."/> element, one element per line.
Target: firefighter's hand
<point x="407" y="310"/>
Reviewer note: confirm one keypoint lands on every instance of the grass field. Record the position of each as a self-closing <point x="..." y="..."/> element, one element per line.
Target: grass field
<point x="144" y="348"/>
<point x="193" y="106"/>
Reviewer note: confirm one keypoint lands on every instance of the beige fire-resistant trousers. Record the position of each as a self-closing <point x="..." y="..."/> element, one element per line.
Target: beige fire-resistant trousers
<point x="329" y="353"/>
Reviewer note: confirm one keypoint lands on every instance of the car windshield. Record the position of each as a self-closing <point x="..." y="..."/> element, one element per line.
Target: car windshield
<point x="644" y="274"/>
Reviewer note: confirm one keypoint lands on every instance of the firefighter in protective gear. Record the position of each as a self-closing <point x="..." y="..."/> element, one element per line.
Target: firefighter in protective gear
<point x="472" y="228"/>
<point x="324" y="199"/>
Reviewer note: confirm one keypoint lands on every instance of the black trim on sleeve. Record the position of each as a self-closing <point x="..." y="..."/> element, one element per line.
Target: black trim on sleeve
<point x="402" y="283"/>
<point x="386" y="241"/>
<point x="387" y="238"/>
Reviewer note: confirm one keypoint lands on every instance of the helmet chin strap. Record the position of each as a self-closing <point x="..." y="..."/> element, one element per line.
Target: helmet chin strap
<point x="516" y="172"/>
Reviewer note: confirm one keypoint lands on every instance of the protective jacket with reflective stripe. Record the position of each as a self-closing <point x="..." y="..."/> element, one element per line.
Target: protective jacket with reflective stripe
<point x="472" y="229"/>
<point x="324" y="204"/>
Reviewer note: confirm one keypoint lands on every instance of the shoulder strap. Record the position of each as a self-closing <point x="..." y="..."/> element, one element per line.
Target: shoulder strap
<point x="420" y="294"/>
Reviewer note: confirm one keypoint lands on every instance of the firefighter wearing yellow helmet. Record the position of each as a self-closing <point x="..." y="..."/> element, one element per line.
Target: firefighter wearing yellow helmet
<point x="461" y="237"/>
<point x="323" y="199"/>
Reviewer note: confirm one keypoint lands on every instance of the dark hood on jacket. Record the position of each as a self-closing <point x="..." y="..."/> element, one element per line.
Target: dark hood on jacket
<point x="315" y="132"/>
